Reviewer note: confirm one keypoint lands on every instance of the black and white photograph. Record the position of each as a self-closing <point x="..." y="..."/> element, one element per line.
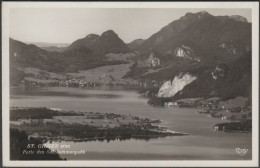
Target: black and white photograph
<point x="130" y="84"/>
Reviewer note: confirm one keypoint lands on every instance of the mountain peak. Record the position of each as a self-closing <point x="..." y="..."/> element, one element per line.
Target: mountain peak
<point x="109" y="32"/>
<point x="108" y="42"/>
<point x="238" y="18"/>
<point x="195" y="16"/>
<point x="203" y="13"/>
<point x="137" y="41"/>
<point x="135" y="44"/>
<point x="92" y="36"/>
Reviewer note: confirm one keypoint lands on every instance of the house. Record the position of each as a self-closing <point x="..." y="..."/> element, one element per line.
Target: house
<point x="22" y="85"/>
<point x="215" y="128"/>
<point x="226" y="115"/>
<point x="170" y="104"/>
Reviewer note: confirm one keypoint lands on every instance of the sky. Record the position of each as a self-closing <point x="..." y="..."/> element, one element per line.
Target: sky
<point x="57" y="25"/>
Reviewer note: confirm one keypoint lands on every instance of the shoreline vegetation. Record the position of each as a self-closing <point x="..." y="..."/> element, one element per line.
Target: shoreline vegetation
<point x="54" y="124"/>
<point x="236" y="112"/>
<point x="243" y="126"/>
<point x="215" y="107"/>
<point x="39" y="125"/>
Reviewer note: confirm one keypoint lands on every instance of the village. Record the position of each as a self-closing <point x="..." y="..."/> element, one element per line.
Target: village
<point x="233" y="109"/>
<point x="36" y="78"/>
<point x="236" y="112"/>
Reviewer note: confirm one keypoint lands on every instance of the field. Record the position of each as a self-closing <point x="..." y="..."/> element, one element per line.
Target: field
<point x="109" y="73"/>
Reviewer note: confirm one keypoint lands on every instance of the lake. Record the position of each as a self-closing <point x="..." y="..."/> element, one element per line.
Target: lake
<point x="203" y="143"/>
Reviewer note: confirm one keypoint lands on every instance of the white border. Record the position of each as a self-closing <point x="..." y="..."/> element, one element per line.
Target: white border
<point x="184" y="163"/>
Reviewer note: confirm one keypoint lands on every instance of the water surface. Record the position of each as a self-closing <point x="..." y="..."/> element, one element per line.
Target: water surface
<point x="203" y="143"/>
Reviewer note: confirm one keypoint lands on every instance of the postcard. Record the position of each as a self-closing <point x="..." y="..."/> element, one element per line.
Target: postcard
<point x="130" y="84"/>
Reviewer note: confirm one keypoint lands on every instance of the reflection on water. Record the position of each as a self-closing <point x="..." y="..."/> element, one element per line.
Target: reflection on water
<point x="203" y="143"/>
<point x="17" y="93"/>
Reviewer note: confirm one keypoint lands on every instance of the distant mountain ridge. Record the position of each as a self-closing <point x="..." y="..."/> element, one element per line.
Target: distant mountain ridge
<point x="54" y="49"/>
<point x="238" y="18"/>
<point x="135" y="44"/>
<point x="51" y="47"/>
<point x="46" y="44"/>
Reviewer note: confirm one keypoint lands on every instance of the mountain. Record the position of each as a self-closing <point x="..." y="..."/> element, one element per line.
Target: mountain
<point x="51" y="47"/>
<point x="29" y="55"/>
<point x="108" y="42"/>
<point x="45" y="44"/>
<point x="212" y="40"/>
<point x="171" y="30"/>
<point x="195" y="40"/>
<point x="201" y="37"/>
<point x="224" y="80"/>
<point x="82" y="54"/>
<point x="54" y="49"/>
<point x="89" y="52"/>
<point x="135" y="44"/>
<point x="238" y="18"/>
<point x="199" y="55"/>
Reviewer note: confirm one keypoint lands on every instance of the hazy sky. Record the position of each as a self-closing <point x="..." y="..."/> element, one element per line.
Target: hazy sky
<point x="68" y="25"/>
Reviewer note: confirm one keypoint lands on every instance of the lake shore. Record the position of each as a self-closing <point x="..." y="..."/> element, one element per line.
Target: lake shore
<point x="85" y="126"/>
<point x="125" y="102"/>
<point x="236" y="113"/>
